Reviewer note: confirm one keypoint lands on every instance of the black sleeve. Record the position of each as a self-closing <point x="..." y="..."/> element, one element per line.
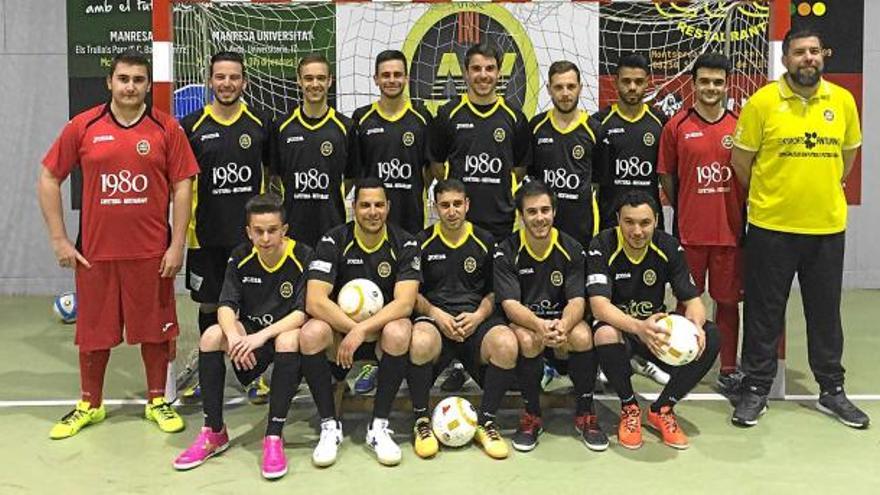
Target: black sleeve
<point x="429" y="122"/>
<point x="325" y="261"/>
<point x="409" y="259"/>
<point x="489" y="278"/>
<point x="230" y="293"/>
<point x="532" y="171"/>
<point x="305" y="256"/>
<point x="574" y="276"/>
<point x="504" y="272"/>
<point x="268" y="134"/>
<point x="352" y="164"/>
<point x="522" y="143"/>
<point x="598" y="275"/>
<point x="275" y="149"/>
<point x="439" y="137"/>
<point x="679" y="274"/>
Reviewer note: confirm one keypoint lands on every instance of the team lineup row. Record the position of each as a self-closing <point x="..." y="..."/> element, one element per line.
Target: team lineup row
<point x="501" y="310"/>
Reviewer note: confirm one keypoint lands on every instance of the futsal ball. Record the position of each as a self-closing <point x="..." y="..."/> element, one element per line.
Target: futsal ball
<point x="682" y="346"/>
<point x="65" y="307"/>
<point x="454" y="421"/>
<point x="360" y="298"/>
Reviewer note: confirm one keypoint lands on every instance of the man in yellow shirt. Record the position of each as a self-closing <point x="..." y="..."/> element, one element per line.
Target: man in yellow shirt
<point x="794" y="146"/>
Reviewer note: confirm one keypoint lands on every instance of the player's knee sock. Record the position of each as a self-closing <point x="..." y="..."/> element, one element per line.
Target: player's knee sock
<point x="285" y="381"/>
<point x="156" y="357"/>
<point x="495" y="385"/>
<point x="419" y="380"/>
<point x="582" y="368"/>
<point x="528" y="374"/>
<point x="615" y="363"/>
<point x="727" y="319"/>
<point x="390" y="375"/>
<point x="316" y="371"/>
<point x="212" y="378"/>
<point x="92" y="365"/>
<point x="206" y="320"/>
<point x="688" y="376"/>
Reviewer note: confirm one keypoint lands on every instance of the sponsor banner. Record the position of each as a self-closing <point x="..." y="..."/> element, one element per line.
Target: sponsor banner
<point x="99" y="29"/>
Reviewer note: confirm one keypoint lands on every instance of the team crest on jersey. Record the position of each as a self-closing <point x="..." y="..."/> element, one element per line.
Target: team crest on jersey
<point x="648" y="139"/>
<point x="326" y="148"/>
<point x="408" y="138"/>
<point x="470" y="264"/>
<point x="143" y="147"/>
<point x="649" y="277"/>
<point x="577" y="152"/>
<point x="286" y="290"/>
<point x="727" y="141"/>
<point x="556" y="278"/>
<point x="384" y="269"/>
<point x="499" y="135"/>
<point x="829" y="115"/>
<point x="244" y="141"/>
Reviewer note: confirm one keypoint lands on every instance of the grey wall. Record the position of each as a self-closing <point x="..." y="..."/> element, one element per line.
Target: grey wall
<point x="33" y="96"/>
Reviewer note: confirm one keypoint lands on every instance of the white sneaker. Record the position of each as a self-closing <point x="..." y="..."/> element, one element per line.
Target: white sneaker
<point x="331" y="436"/>
<point x="379" y="439"/>
<point x="650" y="370"/>
<point x="601" y="378"/>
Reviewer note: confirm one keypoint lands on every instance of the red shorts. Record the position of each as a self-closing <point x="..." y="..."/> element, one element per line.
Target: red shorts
<point x="724" y="265"/>
<point x="129" y="294"/>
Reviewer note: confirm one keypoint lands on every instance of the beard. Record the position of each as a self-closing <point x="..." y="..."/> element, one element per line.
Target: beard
<point x="571" y="107"/>
<point x="807" y="79"/>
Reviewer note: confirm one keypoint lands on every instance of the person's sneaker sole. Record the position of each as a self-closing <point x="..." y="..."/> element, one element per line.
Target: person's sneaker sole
<point x="524" y="448"/>
<point x="748" y="424"/>
<point x="829" y="412"/>
<point x="594" y="447"/>
<point x="632" y="447"/>
<point x="273" y="476"/>
<point x="192" y="465"/>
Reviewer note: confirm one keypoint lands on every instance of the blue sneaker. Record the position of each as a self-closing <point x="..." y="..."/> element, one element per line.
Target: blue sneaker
<point x="365" y="381"/>
<point x="550" y="374"/>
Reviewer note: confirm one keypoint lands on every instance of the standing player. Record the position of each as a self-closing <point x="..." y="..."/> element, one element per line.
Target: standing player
<point x="628" y="269"/>
<point x="262" y="308"/>
<point x="231" y="143"/>
<point x="627" y="156"/>
<point x="313" y="152"/>
<point x="539" y="282"/>
<point x="457" y="319"/>
<point x="367" y="248"/>
<point x="480" y="140"/>
<point x="695" y="171"/>
<point x="134" y="160"/>
<point x="392" y="142"/>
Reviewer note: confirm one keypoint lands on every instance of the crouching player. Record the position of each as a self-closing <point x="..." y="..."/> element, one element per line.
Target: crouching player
<point x="261" y="310"/>
<point x="456" y="319"/>
<point x="628" y="268"/>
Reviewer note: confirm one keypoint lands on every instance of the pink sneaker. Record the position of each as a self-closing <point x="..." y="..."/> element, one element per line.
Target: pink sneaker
<point x="274" y="462"/>
<point x="206" y="445"/>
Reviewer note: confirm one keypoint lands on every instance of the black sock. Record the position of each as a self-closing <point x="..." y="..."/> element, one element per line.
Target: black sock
<point x="206" y="320"/>
<point x="495" y="384"/>
<point x="582" y="368"/>
<point x="615" y="362"/>
<point x="390" y="375"/>
<point x="419" y="380"/>
<point x="212" y="378"/>
<point x="285" y="380"/>
<point x="528" y="374"/>
<point x="316" y="370"/>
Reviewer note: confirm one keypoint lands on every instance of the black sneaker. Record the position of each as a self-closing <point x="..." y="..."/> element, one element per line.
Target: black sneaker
<point x="750" y="407"/>
<point x="454" y="380"/>
<point x="730" y="384"/>
<point x="593" y="436"/>
<point x="839" y="406"/>
<point x="526" y="437"/>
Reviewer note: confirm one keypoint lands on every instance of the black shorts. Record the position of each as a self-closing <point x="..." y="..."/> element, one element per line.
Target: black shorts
<point x="205" y="271"/>
<point x="265" y="355"/>
<point x="366" y="352"/>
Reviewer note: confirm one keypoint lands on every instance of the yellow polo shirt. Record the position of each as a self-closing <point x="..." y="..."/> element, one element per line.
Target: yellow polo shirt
<point x="796" y="176"/>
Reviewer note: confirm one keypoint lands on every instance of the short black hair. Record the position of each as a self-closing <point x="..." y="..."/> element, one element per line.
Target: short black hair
<point x="449" y="185"/>
<point x="530" y="189"/>
<point x="265" y="203"/>
<point x="367" y="183"/>
<point x="487" y="50"/>
<point x="712" y="60"/>
<point x="633" y="61"/>
<point x="637" y="197"/>
<point x="131" y="57"/>
<point x="388" y="55"/>
<point x="312" y="58"/>
<point x="799" y="34"/>
<point x="561" y="67"/>
<point x="226" y="56"/>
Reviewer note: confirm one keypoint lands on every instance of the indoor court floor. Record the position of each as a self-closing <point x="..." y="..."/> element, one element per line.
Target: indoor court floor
<point x="794" y="448"/>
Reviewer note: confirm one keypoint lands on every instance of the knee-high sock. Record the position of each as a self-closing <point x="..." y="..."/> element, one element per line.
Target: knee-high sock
<point x="92" y="366"/>
<point x="687" y="376"/>
<point x="495" y="385"/>
<point x="528" y="374"/>
<point x="615" y="363"/>
<point x="727" y="319"/>
<point x="212" y="378"/>
<point x="316" y="370"/>
<point x="419" y="380"/>
<point x="206" y="320"/>
<point x="582" y="368"/>
<point x="285" y="381"/>
<point x="156" y="357"/>
<point x="391" y="372"/>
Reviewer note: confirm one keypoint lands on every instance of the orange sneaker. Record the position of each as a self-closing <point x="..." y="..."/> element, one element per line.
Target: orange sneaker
<point x="629" y="431"/>
<point x="664" y="422"/>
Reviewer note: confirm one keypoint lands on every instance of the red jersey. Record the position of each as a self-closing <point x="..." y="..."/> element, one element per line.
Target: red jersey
<point x="710" y="202"/>
<point x="127" y="173"/>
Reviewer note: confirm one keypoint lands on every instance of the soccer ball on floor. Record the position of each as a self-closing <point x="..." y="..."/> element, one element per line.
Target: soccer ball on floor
<point x="682" y="346"/>
<point x="454" y="421"/>
<point x="360" y="298"/>
<point x="64" y="307"/>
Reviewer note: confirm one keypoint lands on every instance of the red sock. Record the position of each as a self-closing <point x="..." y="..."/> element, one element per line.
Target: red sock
<point x="727" y="318"/>
<point x="92" y="365"/>
<point x="155" y="358"/>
